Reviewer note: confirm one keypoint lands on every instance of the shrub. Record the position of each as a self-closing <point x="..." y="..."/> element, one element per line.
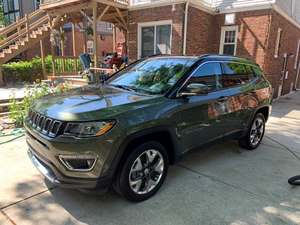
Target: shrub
<point x="19" y="110"/>
<point x="26" y="71"/>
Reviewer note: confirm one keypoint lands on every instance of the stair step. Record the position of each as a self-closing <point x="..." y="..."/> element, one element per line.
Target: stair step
<point x="7" y="51"/>
<point x="33" y="36"/>
<point x="14" y="47"/>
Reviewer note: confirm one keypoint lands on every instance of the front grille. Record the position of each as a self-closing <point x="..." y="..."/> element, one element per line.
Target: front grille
<point x="45" y="125"/>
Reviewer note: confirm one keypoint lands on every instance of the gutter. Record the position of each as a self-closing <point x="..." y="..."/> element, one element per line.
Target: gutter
<point x="186" y="11"/>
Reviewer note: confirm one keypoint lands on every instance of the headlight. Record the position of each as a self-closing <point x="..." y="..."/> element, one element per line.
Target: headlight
<point x="88" y="129"/>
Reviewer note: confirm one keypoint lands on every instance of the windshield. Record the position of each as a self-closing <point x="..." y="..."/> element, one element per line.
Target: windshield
<point x="152" y="76"/>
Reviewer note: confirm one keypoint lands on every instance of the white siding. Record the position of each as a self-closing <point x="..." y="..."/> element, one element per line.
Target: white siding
<point x="236" y="4"/>
<point x="290" y="7"/>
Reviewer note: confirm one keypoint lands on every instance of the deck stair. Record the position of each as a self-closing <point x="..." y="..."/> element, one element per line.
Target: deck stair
<point x="26" y="32"/>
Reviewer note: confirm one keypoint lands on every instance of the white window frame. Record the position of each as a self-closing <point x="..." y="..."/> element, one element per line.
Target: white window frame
<point x="152" y="24"/>
<point x="222" y="39"/>
<point x="277" y="43"/>
<point x="297" y="55"/>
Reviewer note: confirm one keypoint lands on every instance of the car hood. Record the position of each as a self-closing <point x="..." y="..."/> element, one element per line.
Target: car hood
<point x="91" y="103"/>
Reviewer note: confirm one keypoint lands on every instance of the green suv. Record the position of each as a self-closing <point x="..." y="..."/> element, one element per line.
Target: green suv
<point x="125" y="132"/>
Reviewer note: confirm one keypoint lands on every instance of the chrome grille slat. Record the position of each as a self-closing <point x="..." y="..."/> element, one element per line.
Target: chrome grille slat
<point x="43" y="124"/>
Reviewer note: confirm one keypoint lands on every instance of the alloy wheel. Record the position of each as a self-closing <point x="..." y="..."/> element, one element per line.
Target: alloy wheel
<point x="257" y="131"/>
<point x="146" y="171"/>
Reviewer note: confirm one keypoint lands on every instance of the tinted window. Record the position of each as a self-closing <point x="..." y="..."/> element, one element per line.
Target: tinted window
<point x="207" y="74"/>
<point x="235" y="74"/>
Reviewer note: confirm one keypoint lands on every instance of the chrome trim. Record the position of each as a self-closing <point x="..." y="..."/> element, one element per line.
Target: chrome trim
<point x="41" y="168"/>
<point x="217" y="61"/>
<point x="62" y="159"/>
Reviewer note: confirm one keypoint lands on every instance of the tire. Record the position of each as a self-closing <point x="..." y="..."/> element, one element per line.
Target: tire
<point x="143" y="172"/>
<point x="247" y="141"/>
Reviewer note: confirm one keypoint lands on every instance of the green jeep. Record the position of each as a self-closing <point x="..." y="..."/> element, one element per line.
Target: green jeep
<point x="125" y="132"/>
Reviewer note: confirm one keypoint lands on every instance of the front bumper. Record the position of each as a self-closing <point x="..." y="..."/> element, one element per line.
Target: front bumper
<point x="44" y="154"/>
<point x="56" y="178"/>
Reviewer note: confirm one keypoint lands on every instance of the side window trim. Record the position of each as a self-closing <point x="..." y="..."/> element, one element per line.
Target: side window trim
<point x="221" y="62"/>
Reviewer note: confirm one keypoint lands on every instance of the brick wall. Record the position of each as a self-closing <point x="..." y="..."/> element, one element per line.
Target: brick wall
<point x="200" y="32"/>
<point x="156" y="14"/>
<point x="257" y="38"/>
<point x="288" y="44"/>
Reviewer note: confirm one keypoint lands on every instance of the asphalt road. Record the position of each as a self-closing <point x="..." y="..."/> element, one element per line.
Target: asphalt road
<point x="219" y="185"/>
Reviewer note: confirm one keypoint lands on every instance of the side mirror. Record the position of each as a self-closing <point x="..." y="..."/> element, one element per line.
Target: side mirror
<point x="194" y="89"/>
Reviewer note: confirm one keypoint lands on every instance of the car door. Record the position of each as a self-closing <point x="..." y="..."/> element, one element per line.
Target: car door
<point x="237" y="91"/>
<point x="201" y="115"/>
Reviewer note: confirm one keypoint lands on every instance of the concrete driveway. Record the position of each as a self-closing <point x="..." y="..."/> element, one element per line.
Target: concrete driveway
<point x="219" y="185"/>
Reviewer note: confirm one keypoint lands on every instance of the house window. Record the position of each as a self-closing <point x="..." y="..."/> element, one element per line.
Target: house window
<point x="37" y="4"/>
<point x="297" y="55"/>
<point x="228" y="42"/>
<point x="90" y="47"/>
<point x="11" y="10"/>
<point x="154" y="38"/>
<point x="277" y="44"/>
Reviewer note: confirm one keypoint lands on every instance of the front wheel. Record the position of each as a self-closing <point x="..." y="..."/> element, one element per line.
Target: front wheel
<point x="255" y="133"/>
<point x="143" y="172"/>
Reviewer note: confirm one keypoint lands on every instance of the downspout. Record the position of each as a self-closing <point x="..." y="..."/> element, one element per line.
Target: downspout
<point x="186" y="11"/>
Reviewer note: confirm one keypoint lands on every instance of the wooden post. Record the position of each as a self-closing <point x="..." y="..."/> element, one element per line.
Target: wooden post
<point x="114" y="38"/>
<point x="62" y="47"/>
<point x="62" y="44"/>
<point x="95" y="34"/>
<point x="1" y="77"/>
<point x="43" y="59"/>
<point x="73" y="39"/>
<point x="52" y="48"/>
<point x="27" y="25"/>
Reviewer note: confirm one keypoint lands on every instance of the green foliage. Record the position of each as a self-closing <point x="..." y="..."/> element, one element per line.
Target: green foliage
<point x="30" y="71"/>
<point x="19" y="110"/>
<point x="27" y="71"/>
<point x="2" y="21"/>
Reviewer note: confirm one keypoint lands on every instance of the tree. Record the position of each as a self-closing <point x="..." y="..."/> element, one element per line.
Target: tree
<point x="2" y="22"/>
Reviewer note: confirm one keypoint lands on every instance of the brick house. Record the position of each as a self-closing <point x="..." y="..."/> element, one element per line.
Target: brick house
<point x="267" y="31"/>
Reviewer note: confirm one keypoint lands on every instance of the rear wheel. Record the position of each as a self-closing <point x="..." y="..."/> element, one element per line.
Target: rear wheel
<point x="143" y="172"/>
<point x="255" y="133"/>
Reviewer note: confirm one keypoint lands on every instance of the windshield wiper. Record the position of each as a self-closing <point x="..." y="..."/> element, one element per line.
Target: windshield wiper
<point x="127" y="88"/>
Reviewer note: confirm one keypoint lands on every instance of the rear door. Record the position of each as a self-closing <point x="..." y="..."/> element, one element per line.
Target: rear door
<point x="237" y="88"/>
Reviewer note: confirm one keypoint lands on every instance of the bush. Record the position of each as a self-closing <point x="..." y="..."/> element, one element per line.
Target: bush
<point x="19" y="110"/>
<point x="25" y="71"/>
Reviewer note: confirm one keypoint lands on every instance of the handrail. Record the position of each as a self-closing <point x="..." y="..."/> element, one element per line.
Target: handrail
<point x="14" y="26"/>
<point x="23" y="32"/>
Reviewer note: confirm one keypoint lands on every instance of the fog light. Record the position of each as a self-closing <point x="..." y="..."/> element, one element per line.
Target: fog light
<point x="78" y="163"/>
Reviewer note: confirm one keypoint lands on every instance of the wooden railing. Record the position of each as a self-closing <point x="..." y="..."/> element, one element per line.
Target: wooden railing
<point x="22" y="28"/>
<point x="49" y="2"/>
<point x="67" y="65"/>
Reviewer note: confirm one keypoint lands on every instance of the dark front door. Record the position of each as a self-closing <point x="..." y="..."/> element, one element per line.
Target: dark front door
<point x="201" y="116"/>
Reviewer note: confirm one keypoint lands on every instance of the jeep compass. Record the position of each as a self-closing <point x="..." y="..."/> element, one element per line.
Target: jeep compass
<point x="125" y="132"/>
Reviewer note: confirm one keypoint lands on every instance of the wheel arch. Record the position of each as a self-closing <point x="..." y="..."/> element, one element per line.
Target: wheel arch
<point x="163" y="135"/>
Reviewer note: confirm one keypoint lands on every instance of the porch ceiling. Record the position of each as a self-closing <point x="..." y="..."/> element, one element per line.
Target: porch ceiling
<point x="113" y="11"/>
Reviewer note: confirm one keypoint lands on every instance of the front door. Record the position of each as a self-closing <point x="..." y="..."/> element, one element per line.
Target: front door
<point x="201" y="116"/>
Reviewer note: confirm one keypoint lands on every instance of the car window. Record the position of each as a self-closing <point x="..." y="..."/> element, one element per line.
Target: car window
<point x="207" y="74"/>
<point x="235" y="74"/>
<point x="154" y="75"/>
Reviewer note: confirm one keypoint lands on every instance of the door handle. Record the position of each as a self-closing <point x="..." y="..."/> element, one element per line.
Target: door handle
<point x="222" y="99"/>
